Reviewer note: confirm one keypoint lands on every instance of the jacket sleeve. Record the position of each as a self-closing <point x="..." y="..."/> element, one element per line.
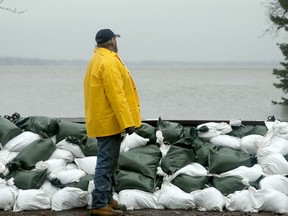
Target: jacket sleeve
<point x="113" y="85"/>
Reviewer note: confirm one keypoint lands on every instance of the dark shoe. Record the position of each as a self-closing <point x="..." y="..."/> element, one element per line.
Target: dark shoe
<point x="105" y="211"/>
<point x="115" y="205"/>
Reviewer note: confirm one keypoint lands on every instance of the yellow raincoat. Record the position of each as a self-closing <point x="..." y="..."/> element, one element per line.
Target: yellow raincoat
<point x="110" y="96"/>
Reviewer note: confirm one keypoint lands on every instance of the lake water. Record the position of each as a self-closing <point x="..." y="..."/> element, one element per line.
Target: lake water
<point x="172" y="93"/>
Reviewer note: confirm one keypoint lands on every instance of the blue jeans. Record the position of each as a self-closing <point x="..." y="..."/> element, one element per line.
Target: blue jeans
<point x="107" y="162"/>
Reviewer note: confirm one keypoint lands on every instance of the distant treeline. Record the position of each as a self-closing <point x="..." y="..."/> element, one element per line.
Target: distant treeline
<point x="9" y="61"/>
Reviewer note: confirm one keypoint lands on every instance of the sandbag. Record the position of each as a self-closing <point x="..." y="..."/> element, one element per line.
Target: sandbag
<point x="176" y="158"/>
<point x="89" y="147"/>
<point x="273" y="164"/>
<point x="245" y="130"/>
<point x="189" y="183"/>
<point x="21" y="141"/>
<point x="42" y="125"/>
<point x="66" y="175"/>
<point x="269" y="200"/>
<point x="29" y="179"/>
<point x="277" y="182"/>
<point x="32" y="200"/>
<point x="250" y="143"/>
<point x="70" y="129"/>
<point x="50" y="164"/>
<point x="69" y="146"/>
<point x="87" y="164"/>
<point x="8" y="131"/>
<point x="7" y="198"/>
<point x="171" y="131"/>
<point x="68" y="198"/>
<point x="137" y="199"/>
<point x="144" y="160"/>
<point x="49" y="188"/>
<point x="202" y="154"/>
<point x="209" y="130"/>
<point x="208" y="199"/>
<point x="239" y="201"/>
<point x="6" y="156"/>
<point x="228" y="184"/>
<point x="251" y="173"/>
<point x="132" y="141"/>
<point x="226" y="141"/>
<point x="147" y="131"/>
<point x="172" y="197"/>
<point x="33" y="153"/>
<point x="132" y="180"/>
<point x="222" y="159"/>
<point x="62" y="154"/>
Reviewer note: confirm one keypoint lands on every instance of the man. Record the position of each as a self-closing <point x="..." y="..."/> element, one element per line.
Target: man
<point x="111" y="108"/>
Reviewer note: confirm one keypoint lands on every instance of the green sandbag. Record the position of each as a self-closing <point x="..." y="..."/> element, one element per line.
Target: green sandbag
<point x="171" y="131"/>
<point x="245" y="130"/>
<point x="223" y="159"/>
<point x="141" y="162"/>
<point x="147" y="131"/>
<point x="132" y="180"/>
<point x="29" y="179"/>
<point x="39" y="150"/>
<point x="89" y="147"/>
<point x="202" y="154"/>
<point x="176" y="158"/>
<point x="228" y="184"/>
<point x="189" y="183"/>
<point x="72" y="129"/>
<point x="44" y="126"/>
<point x="8" y="130"/>
<point x="83" y="182"/>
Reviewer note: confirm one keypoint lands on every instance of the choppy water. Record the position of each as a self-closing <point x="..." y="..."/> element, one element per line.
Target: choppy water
<point x="193" y="93"/>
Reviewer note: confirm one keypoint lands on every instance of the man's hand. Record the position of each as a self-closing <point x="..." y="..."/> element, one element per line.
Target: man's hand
<point x="130" y="130"/>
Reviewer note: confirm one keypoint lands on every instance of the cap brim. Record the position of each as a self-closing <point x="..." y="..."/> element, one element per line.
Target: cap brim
<point x="117" y="35"/>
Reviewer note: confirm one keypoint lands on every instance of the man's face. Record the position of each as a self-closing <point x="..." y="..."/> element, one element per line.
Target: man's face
<point x="114" y="43"/>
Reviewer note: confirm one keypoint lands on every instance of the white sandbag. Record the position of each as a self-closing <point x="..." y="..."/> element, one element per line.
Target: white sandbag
<point x="7" y="198"/>
<point x="87" y="164"/>
<point x="273" y="164"/>
<point x="214" y="129"/>
<point x="21" y="141"/>
<point x="276" y="182"/>
<point x="63" y="154"/>
<point x="66" y="175"/>
<point x="69" y="198"/>
<point x="193" y="169"/>
<point x="73" y="148"/>
<point x="50" y="164"/>
<point x="32" y="200"/>
<point x="132" y="141"/>
<point x="172" y="197"/>
<point x="49" y="188"/>
<point x="6" y="156"/>
<point x="251" y="173"/>
<point x="208" y="199"/>
<point x="276" y="145"/>
<point x="269" y="200"/>
<point x="250" y="143"/>
<point x="137" y="199"/>
<point x="239" y="201"/>
<point x="226" y="141"/>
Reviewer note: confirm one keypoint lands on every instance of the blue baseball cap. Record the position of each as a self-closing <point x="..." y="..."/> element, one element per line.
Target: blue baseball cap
<point x="105" y="35"/>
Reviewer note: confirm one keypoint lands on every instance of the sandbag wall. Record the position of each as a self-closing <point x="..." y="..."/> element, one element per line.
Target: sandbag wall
<point x="215" y="166"/>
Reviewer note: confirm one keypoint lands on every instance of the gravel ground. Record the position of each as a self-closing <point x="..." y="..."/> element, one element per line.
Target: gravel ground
<point x="142" y="212"/>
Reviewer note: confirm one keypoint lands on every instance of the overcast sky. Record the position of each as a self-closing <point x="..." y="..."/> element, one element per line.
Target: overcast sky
<point x="182" y="30"/>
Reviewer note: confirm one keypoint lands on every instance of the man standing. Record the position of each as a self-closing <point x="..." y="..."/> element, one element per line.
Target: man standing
<point x="111" y="108"/>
